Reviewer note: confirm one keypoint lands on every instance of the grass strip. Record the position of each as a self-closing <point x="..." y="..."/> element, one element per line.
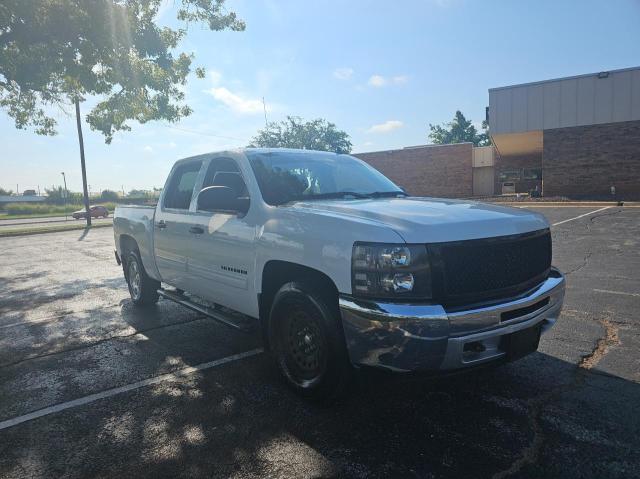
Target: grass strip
<point x="7" y="232"/>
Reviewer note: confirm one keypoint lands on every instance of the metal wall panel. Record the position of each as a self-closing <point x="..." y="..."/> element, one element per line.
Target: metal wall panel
<point x="604" y="100"/>
<point x="635" y="94"/>
<point x="568" y="102"/>
<point x="551" y="100"/>
<point x="586" y="96"/>
<point x="519" y="109"/>
<point x="622" y="96"/>
<point x="576" y="101"/>
<point x="535" y="107"/>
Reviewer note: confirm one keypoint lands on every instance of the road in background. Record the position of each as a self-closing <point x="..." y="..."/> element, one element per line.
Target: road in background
<point x="9" y="222"/>
<point x="69" y="331"/>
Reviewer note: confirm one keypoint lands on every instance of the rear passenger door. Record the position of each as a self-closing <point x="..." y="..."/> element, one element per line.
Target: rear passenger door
<point x="221" y="259"/>
<point x="172" y="223"/>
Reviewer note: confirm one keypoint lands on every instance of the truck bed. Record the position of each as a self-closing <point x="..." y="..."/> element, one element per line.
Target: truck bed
<point x="136" y="222"/>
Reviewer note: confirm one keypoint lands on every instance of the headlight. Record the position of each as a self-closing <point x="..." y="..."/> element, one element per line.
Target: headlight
<point x="390" y="271"/>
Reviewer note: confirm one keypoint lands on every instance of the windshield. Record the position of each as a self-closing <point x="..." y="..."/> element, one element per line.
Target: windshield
<point x="289" y="176"/>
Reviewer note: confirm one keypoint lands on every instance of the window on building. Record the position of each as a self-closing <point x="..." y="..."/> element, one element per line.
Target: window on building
<point x="510" y="175"/>
<point x="180" y="189"/>
<point x="532" y="174"/>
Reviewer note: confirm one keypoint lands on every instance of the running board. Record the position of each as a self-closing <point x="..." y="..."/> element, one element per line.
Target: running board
<point x="219" y="316"/>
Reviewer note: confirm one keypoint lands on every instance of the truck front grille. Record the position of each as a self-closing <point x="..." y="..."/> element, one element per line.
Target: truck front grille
<point x="475" y="271"/>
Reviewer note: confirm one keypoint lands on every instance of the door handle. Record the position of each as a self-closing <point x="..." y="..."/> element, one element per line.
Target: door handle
<point x="161" y="224"/>
<point x="196" y="230"/>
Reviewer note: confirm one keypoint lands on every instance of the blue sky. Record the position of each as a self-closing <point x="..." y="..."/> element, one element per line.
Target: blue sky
<point x="380" y="70"/>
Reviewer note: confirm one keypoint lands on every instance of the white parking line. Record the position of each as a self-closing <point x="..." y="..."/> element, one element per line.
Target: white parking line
<point x="624" y="293"/>
<point x="181" y="373"/>
<point x="581" y="216"/>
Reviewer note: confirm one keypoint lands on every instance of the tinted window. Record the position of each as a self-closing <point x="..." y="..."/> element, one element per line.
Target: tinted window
<point x="225" y="172"/>
<point x="180" y="187"/>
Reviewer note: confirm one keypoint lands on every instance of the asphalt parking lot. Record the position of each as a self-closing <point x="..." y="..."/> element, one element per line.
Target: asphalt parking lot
<point x="92" y="387"/>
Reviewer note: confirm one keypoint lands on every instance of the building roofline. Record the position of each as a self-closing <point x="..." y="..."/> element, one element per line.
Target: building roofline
<point x="416" y="147"/>
<point x="585" y="75"/>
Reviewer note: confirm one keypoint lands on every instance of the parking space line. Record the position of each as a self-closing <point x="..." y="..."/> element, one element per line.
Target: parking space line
<point x="623" y="293"/>
<point x="581" y="216"/>
<point x="126" y="388"/>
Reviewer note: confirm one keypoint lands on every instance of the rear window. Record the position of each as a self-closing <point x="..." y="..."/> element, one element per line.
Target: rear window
<point x="180" y="189"/>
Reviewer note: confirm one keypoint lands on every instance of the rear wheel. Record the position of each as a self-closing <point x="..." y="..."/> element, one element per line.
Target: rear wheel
<point x="142" y="288"/>
<point x="307" y="341"/>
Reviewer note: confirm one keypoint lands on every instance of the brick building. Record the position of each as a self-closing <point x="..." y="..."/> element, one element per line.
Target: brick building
<point x="433" y="170"/>
<point x="575" y="136"/>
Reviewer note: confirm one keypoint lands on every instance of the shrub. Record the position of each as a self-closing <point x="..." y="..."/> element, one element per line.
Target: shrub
<point x="108" y="195"/>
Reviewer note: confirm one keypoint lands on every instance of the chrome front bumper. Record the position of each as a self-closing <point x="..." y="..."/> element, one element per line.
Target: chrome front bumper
<point x="414" y="337"/>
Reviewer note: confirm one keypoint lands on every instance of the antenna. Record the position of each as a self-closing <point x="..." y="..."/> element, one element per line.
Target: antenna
<point x="264" y="107"/>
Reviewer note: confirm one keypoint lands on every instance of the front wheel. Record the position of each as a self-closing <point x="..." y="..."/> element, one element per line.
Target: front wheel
<point x="307" y="341"/>
<point x="142" y="288"/>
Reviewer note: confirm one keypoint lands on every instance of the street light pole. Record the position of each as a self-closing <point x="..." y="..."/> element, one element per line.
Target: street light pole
<point x="66" y="194"/>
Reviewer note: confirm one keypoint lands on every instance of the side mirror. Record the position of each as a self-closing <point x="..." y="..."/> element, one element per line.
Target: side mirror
<point x="221" y="199"/>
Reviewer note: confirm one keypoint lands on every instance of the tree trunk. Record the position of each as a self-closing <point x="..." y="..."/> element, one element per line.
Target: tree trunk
<point x="84" y="169"/>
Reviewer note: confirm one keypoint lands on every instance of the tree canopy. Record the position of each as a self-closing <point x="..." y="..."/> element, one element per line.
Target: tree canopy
<point x="459" y="130"/>
<point x="318" y="134"/>
<point x="54" y="51"/>
<point x="109" y="195"/>
<point x="4" y="192"/>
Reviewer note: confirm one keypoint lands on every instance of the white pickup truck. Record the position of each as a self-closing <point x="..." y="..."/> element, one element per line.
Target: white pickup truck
<point x="340" y="267"/>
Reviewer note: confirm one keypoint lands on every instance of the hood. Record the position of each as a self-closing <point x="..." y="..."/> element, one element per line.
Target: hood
<point x="430" y="220"/>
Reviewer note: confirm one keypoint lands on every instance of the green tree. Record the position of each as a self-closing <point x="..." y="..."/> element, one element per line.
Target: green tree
<point x="56" y="53"/>
<point x="58" y="195"/>
<point x="4" y="192"/>
<point x="108" y="195"/>
<point x="459" y="130"/>
<point x="318" y="134"/>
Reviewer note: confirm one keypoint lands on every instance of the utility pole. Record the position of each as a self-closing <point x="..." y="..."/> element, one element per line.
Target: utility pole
<point x="82" y="164"/>
<point x="264" y="108"/>
<point x="66" y="194"/>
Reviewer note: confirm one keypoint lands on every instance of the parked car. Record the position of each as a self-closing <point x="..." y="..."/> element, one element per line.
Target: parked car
<point x="339" y="267"/>
<point x="96" y="211"/>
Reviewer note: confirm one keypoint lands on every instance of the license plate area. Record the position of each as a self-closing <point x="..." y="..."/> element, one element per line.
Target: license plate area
<point x="519" y="344"/>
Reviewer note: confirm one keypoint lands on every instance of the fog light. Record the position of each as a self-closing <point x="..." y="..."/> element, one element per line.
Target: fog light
<point x="398" y="282"/>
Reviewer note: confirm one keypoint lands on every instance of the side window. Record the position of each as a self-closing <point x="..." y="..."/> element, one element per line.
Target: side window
<point x="180" y="187"/>
<point x="225" y="172"/>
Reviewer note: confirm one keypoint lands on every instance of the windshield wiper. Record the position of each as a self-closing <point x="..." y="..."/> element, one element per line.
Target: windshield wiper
<point x="386" y="194"/>
<point x="346" y="194"/>
<point x="335" y="194"/>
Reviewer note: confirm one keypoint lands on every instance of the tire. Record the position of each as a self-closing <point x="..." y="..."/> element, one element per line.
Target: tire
<point x="142" y="288"/>
<point x="307" y="341"/>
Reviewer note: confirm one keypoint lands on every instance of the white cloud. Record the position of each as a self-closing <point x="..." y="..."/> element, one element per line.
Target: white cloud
<point x="172" y="144"/>
<point x="236" y="102"/>
<point x="216" y="76"/>
<point x="377" y="81"/>
<point x="386" y="127"/>
<point x="343" y="73"/>
<point x="148" y="149"/>
<point x="380" y="81"/>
